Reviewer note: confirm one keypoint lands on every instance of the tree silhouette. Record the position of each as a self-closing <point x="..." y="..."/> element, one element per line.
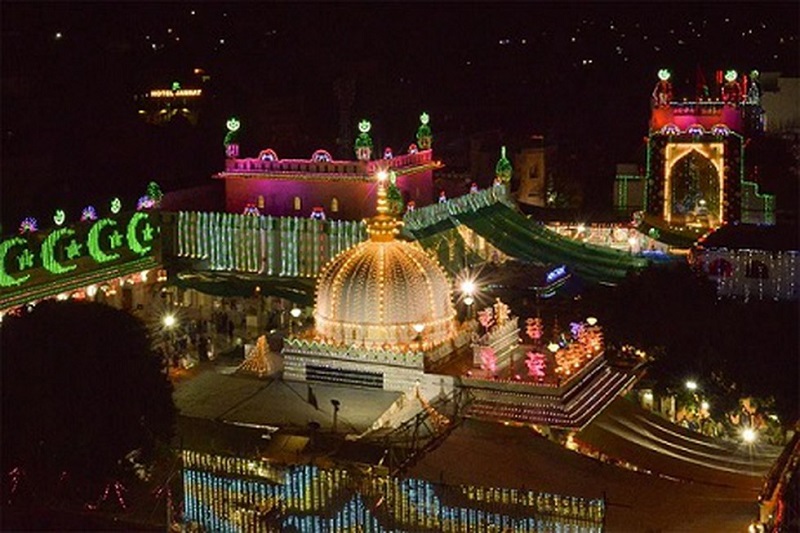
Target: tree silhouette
<point x="81" y="390"/>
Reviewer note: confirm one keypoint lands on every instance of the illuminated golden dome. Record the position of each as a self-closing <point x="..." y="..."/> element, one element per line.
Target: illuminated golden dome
<point x="384" y="291"/>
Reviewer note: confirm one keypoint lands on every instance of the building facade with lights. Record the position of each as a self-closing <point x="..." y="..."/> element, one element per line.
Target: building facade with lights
<point x="695" y="156"/>
<point x="751" y="262"/>
<point x="160" y="106"/>
<point x="323" y="187"/>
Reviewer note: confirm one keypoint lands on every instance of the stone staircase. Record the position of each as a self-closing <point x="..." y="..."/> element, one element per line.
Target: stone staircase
<point x="571" y="406"/>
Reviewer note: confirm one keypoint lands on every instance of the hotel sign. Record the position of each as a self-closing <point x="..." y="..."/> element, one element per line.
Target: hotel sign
<point x="180" y="93"/>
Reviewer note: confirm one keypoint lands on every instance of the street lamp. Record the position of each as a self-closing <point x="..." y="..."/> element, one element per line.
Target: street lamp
<point x="468" y="287"/>
<point x="169" y="321"/>
<point x="691" y="385"/>
<point x="295" y="313"/>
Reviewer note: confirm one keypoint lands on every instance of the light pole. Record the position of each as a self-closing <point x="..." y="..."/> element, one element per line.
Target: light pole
<point x="336" y="404"/>
<point x="468" y="289"/>
<point x="295" y="312"/>
<point x="169" y="321"/>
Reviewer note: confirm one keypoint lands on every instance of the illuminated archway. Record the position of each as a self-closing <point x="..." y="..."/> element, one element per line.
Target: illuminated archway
<point x="674" y="206"/>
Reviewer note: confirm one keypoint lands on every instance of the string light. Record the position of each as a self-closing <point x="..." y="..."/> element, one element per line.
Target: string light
<point x="222" y="493"/>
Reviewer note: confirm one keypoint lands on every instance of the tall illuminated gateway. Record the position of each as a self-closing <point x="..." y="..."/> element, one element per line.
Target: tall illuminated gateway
<point x="382" y="311"/>
<point x="695" y="156"/>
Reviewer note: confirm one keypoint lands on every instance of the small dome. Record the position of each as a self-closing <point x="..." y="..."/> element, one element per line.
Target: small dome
<point x="383" y="291"/>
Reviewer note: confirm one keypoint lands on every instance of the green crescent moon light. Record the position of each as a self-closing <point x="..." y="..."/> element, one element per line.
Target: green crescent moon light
<point x="49" y="260"/>
<point x="364" y="126"/>
<point x="133" y="242"/>
<point x="424" y="118"/>
<point x="116" y="205"/>
<point x="93" y="241"/>
<point x="233" y="124"/>
<point x="59" y="217"/>
<point x="5" y="247"/>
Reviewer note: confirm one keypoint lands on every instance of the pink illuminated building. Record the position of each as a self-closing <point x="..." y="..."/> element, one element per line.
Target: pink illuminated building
<point x="342" y="189"/>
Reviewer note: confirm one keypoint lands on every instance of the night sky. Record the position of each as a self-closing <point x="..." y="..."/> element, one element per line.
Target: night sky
<point x="580" y="74"/>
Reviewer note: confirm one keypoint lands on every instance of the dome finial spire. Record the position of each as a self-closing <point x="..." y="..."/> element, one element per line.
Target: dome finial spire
<point x="383" y="226"/>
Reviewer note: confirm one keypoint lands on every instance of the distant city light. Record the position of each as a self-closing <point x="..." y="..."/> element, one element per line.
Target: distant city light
<point x="553" y="347"/>
<point x="591" y="321"/>
<point x="691" y="385"/>
<point x="296" y="312"/>
<point x="58" y="35"/>
<point x="704" y="405"/>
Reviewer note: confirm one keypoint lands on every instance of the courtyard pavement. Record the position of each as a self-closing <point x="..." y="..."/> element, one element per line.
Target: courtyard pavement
<point x="244" y="401"/>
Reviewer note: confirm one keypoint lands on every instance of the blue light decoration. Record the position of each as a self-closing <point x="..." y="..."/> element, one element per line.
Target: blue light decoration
<point x="321" y="156"/>
<point x="251" y="210"/>
<point x="88" y="213"/>
<point x="268" y="155"/>
<point x="145" y="202"/>
<point x="720" y="130"/>
<point x="224" y="493"/>
<point x="670" y="129"/>
<point x="558" y="272"/>
<point x="695" y="130"/>
<point x="28" y="225"/>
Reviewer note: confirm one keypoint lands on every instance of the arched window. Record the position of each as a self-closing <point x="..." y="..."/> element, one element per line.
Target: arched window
<point x="321" y="156"/>
<point x="334" y="205"/>
<point x="298" y="203"/>
<point x="756" y="269"/>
